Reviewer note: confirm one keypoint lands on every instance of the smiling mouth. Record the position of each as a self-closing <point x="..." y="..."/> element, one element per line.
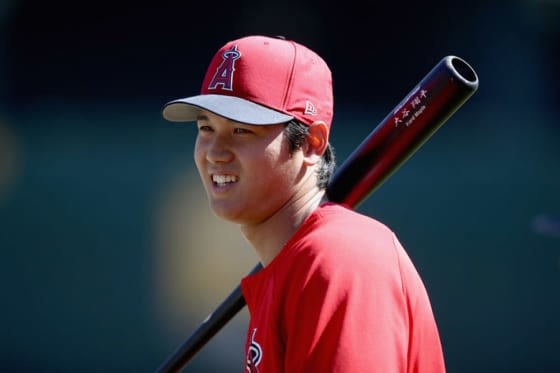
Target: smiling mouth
<point x="222" y="180"/>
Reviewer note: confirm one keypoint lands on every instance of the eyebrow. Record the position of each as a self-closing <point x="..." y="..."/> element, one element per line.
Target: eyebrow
<point x="202" y="117"/>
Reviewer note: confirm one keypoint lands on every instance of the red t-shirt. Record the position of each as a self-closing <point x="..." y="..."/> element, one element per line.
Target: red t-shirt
<point x="341" y="296"/>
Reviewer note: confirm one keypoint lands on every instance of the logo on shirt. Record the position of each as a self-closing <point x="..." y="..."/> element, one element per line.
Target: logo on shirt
<point x="254" y="355"/>
<point x="224" y="73"/>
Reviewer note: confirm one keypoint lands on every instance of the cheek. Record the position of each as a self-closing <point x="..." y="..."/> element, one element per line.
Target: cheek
<point x="198" y="153"/>
<point x="277" y="169"/>
<point x="199" y="157"/>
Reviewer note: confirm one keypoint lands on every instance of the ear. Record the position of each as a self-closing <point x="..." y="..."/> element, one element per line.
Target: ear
<point x="317" y="140"/>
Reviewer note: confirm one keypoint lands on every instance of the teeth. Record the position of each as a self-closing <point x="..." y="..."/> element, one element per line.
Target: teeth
<point x="224" y="179"/>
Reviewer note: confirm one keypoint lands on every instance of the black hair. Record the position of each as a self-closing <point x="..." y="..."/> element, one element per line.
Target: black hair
<point x="296" y="133"/>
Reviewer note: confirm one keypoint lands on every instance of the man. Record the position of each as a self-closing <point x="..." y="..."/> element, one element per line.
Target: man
<point x="337" y="292"/>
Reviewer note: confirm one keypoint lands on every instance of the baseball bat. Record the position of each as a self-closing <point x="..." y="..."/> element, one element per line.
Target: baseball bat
<point x="399" y="135"/>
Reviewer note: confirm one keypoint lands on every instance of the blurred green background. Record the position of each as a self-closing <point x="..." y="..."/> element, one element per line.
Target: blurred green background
<point x="110" y="257"/>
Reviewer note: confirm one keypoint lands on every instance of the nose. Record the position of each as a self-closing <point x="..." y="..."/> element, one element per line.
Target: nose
<point x="218" y="151"/>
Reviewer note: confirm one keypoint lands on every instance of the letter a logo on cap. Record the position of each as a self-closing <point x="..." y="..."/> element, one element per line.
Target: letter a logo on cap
<point x="224" y="72"/>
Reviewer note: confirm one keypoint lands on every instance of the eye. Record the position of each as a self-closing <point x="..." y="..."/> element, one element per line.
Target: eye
<point x="242" y="131"/>
<point x="204" y="128"/>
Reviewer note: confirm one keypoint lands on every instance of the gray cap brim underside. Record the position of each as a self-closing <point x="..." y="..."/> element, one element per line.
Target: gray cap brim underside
<point x="233" y="108"/>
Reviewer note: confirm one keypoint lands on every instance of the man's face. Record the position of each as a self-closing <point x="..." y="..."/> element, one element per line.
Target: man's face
<point x="247" y="171"/>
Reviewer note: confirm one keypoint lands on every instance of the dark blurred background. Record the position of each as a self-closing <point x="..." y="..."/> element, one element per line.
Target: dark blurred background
<point x="110" y="257"/>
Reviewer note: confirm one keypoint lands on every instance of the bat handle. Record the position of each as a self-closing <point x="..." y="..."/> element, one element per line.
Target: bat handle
<point x="207" y="330"/>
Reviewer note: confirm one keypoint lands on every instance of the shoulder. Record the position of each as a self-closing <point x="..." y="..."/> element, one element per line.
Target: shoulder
<point x="339" y="227"/>
<point x="338" y="239"/>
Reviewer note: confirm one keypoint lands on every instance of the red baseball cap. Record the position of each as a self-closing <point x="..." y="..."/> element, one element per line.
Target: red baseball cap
<point x="261" y="80"/>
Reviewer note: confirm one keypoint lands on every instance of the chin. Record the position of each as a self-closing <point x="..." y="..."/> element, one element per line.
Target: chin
<point x="225" y="213"/>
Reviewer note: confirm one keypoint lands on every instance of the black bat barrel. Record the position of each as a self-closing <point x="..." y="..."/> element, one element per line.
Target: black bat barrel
<point x="403" y="131"/>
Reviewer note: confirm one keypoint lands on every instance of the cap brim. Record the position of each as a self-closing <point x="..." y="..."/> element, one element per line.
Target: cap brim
<point x="233" y="108"/>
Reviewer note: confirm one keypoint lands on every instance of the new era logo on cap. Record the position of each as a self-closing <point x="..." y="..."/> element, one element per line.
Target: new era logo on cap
<point x="262" y="80"/>
<point x="310" y="108"/>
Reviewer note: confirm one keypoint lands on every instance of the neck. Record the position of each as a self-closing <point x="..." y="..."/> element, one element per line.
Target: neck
<point x="269" y="237"/>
